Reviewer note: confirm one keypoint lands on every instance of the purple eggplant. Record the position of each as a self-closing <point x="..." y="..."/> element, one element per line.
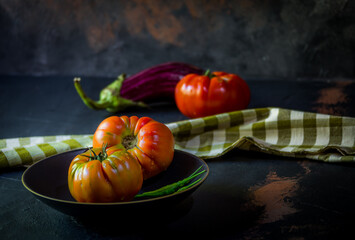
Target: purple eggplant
<point x="157" y="82"/>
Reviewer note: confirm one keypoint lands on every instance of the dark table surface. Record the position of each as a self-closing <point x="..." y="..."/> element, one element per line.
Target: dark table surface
<point x="246" y="196"/>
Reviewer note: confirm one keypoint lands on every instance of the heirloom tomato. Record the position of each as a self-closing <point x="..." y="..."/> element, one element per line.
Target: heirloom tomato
<point x="148" y="141"/>
<point x="101" y="175"/>
<point x="209" y="94"/>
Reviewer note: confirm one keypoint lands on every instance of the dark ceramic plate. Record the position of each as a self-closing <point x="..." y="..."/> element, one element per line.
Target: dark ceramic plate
<point x="47" y="180"/>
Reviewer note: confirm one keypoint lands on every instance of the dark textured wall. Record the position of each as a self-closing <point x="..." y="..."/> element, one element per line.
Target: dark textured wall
<point x="260" y="38"/>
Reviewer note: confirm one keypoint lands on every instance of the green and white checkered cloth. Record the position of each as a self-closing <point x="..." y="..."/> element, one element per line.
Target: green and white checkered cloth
<point x="270" y="130"/>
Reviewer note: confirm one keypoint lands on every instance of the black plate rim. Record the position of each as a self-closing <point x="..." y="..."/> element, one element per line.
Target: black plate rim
<point x="134" y="202"/>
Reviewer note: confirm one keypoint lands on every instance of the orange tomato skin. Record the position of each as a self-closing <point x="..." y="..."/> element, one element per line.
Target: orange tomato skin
<point x="117" y="178"/>
<point x="200" y="96"/>
<point x="148" y="141"/>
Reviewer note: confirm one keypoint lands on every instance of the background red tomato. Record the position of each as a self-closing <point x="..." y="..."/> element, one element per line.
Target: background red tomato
<point x="202" y="95"/>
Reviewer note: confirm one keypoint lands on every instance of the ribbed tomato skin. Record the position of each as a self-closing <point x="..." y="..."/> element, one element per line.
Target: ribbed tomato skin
<point x="200" y="96"/>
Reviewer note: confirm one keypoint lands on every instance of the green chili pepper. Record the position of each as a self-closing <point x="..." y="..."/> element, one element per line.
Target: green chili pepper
<point x="174" y="187"/>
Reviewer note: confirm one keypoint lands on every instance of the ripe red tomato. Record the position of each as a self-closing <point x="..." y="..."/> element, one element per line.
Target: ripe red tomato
<point x="111" y="176"/>
<point x="148" y="141"/>
<point x="202" y="95"/>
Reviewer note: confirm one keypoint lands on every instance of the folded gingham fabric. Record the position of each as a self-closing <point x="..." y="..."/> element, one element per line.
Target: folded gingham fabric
<point x="275" y="131"/>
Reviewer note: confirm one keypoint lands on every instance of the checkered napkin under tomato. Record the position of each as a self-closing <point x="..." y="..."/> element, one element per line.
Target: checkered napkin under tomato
<point x="270" y="130"/>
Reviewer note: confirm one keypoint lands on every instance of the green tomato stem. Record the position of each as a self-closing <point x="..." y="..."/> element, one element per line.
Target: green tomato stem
<point x="209" y="74"/>
<point x="101" y="156"/>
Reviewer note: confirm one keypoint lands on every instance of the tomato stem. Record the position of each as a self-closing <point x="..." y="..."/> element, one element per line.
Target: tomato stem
<point x="101" y="156"/>
<point x="129" y="142"/>
<point x="209" y="74"/>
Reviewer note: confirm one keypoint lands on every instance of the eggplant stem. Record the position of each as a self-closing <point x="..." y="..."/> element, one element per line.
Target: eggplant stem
<point x="96" y="105"/>
<point x="110" y="98"/>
